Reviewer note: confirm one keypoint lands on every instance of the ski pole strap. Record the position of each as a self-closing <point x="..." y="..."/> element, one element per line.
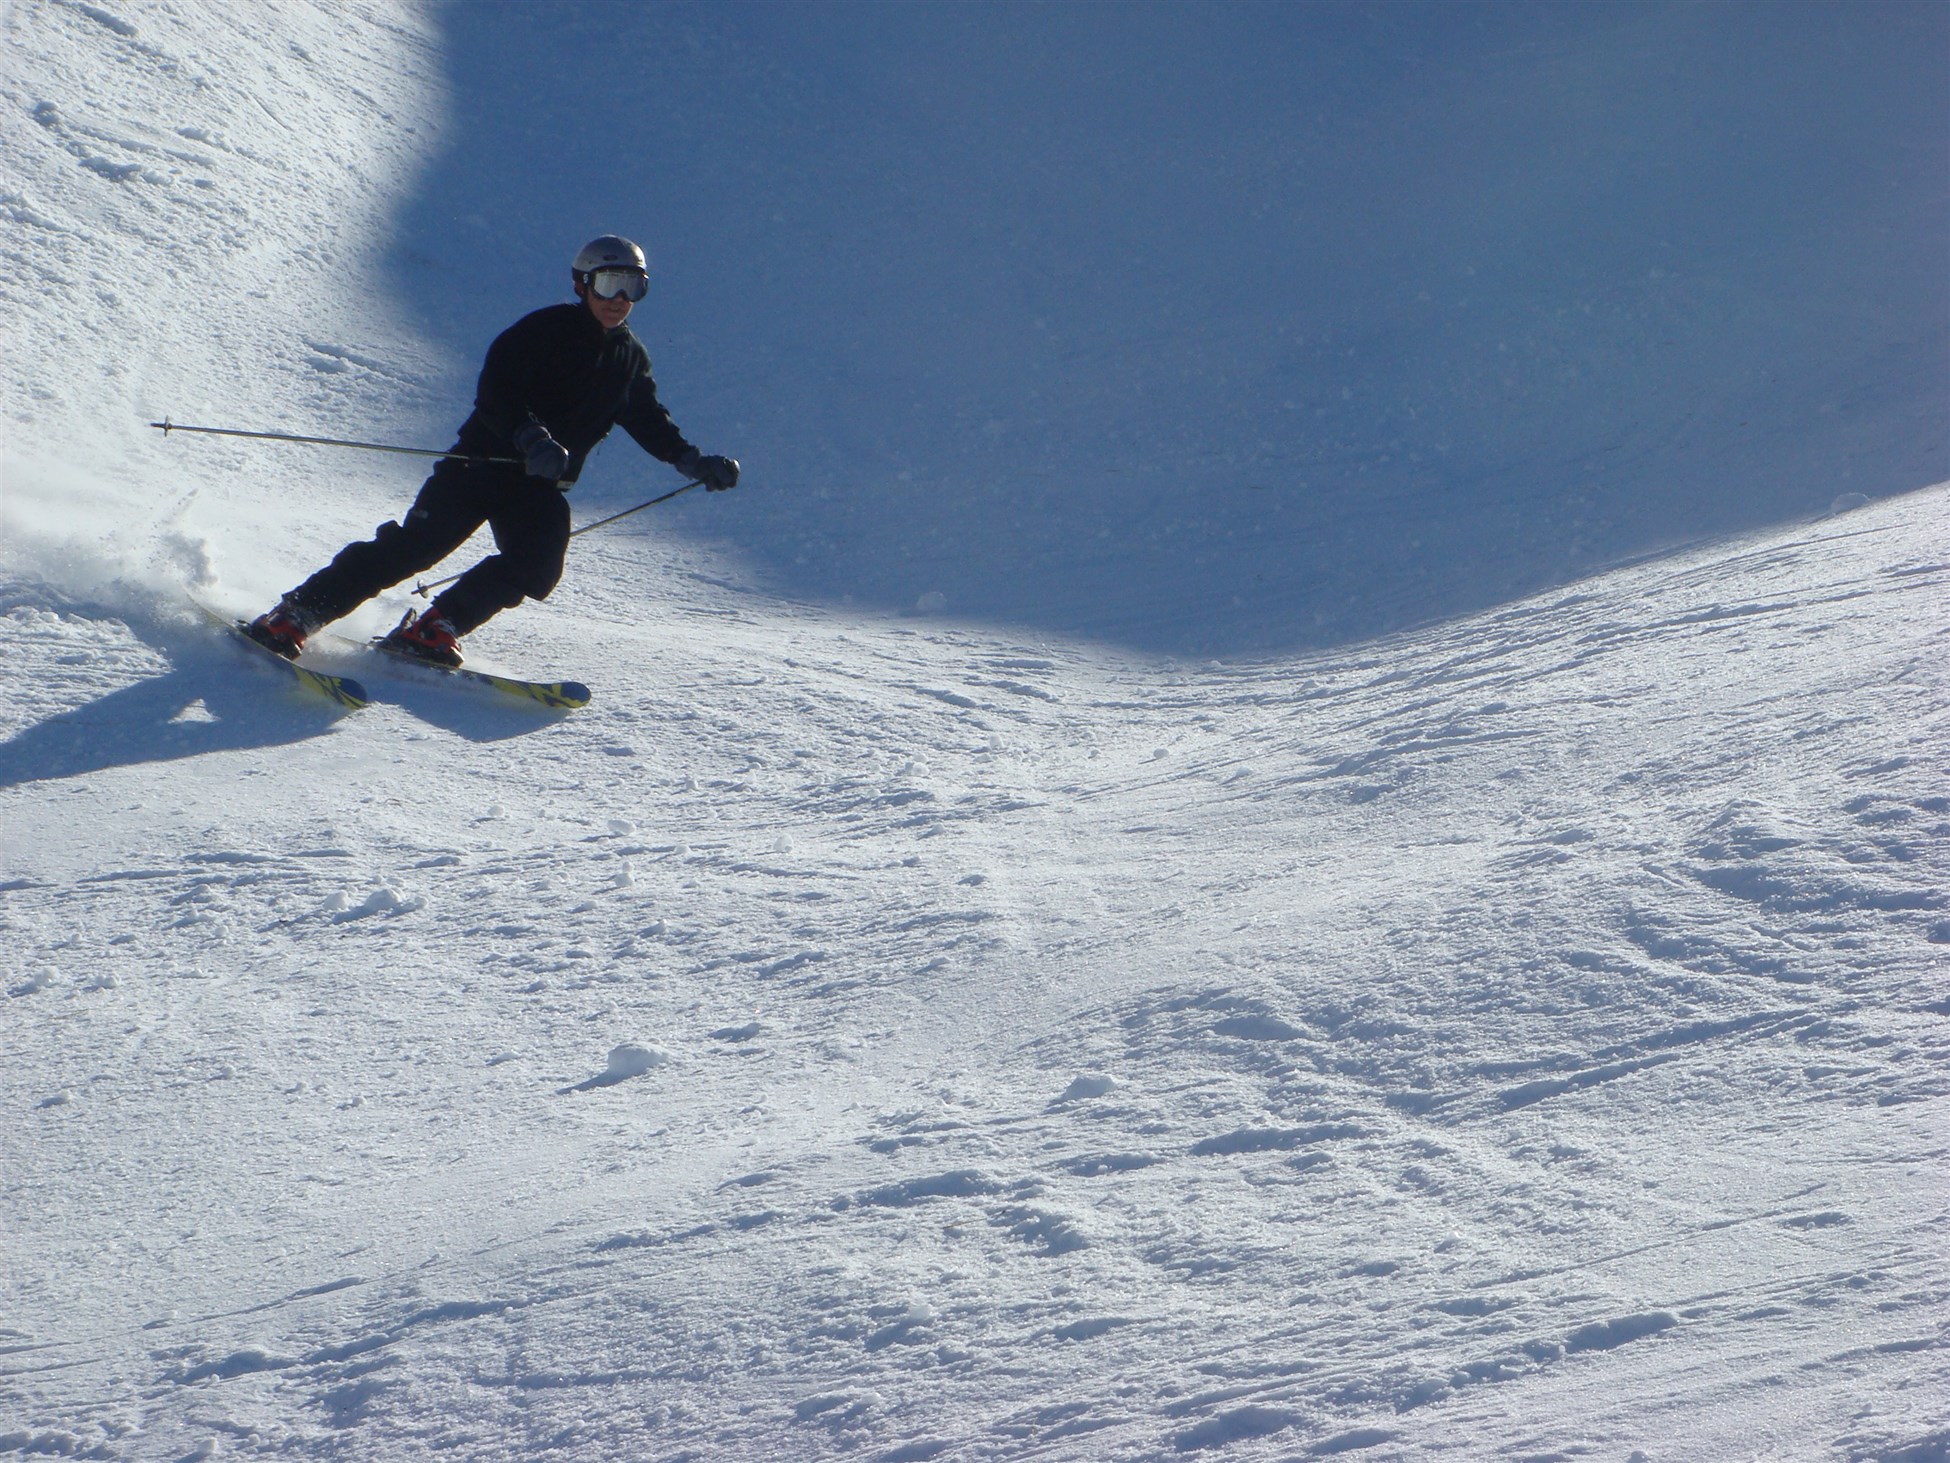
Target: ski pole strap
<point x="166" y="427"/>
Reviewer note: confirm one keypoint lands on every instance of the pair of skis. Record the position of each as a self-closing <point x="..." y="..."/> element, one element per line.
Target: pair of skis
<point x="347" y="692"/>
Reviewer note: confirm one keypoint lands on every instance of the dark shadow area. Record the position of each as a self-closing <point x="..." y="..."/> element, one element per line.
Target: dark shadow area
<point x="1225" y="328"/>
<point x="601" y="1079"/>
<point x="219" y="696"/>
<point x="222" y="706"/>
<point x="473" y="712"/>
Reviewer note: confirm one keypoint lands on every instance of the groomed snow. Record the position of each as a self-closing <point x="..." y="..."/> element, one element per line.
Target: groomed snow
<point x="886" y="1031"/>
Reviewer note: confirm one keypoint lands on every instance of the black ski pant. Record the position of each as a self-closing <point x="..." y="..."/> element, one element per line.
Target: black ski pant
<point x="530" y="522"/>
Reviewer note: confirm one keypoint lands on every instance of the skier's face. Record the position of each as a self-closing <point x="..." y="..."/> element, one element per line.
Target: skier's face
<point x="609" y="313"/>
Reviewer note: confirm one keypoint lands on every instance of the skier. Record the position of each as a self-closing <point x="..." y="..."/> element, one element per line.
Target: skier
<point x="553" y="385"/>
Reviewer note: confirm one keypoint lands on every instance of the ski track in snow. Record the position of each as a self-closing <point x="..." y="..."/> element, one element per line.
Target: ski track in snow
<point x="854" y="1035"/>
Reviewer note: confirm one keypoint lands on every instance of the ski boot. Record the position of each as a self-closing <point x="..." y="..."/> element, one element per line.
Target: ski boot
<point x="430" y="638"/>
<point x="282" y="630"/>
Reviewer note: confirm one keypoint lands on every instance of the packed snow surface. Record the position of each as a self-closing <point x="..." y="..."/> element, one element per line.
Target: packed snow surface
<point x="1427" y="969"/>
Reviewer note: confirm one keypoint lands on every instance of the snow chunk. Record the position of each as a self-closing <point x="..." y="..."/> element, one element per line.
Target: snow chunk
<point x="836" y="1408"/>
<point x="39" y="981"/>
<point x="1091" y="1084"/>
<point x="381" y="901"/>
<point x="1604" y="1335"/>
<point x="630" y="1060"/>
<point x="1090" y="1329"/>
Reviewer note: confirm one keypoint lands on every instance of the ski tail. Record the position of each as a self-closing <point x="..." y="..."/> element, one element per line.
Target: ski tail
<point x="341" y="691"/>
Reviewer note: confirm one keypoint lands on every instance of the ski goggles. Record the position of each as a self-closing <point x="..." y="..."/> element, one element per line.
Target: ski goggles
<point x="630" y="284"/>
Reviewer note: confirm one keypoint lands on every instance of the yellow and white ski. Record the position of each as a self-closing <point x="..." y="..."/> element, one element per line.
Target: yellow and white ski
<point x="340" y="690"/>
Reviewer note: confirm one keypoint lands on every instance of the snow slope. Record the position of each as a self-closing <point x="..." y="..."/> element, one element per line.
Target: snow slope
<point x="888" y="1036"/>
<point x="1520" y="1037"/>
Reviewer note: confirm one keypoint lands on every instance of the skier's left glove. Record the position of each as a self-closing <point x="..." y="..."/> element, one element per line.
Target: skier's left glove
<point x="716" y="473"/>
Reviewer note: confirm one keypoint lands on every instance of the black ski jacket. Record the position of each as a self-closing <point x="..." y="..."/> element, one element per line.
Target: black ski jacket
<point x="559" y="367"/>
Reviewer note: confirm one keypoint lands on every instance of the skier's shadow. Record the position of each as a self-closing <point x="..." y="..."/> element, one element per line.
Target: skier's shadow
<point x="196" y="707"/>
<point x="473" y="712"/>
<point x="212" y="699"/>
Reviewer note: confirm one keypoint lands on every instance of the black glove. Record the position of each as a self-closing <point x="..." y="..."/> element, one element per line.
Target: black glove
<point x="547" y="458"/>
<point x="716" y="473"/>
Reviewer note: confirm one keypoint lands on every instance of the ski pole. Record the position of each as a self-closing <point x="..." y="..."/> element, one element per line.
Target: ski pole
<point x="663" y="498"/>
<point x="166" y="427"/>
<point x="423" y="590"/>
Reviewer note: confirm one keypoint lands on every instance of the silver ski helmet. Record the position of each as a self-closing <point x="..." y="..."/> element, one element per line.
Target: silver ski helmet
<point x="616" y="257"/>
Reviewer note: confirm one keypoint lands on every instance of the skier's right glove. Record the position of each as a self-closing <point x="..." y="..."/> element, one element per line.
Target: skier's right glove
<point x="546" y="458"/>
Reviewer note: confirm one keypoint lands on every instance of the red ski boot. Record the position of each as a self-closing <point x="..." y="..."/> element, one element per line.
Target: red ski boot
<point x="430" y="637"/>
<point x="282" y="630"/>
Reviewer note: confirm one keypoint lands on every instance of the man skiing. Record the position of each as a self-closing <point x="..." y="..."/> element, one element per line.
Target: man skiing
<point x="553" y="385"/>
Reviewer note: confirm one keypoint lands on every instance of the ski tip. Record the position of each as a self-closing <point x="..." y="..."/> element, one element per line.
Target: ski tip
<point x="555" y="695"/>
